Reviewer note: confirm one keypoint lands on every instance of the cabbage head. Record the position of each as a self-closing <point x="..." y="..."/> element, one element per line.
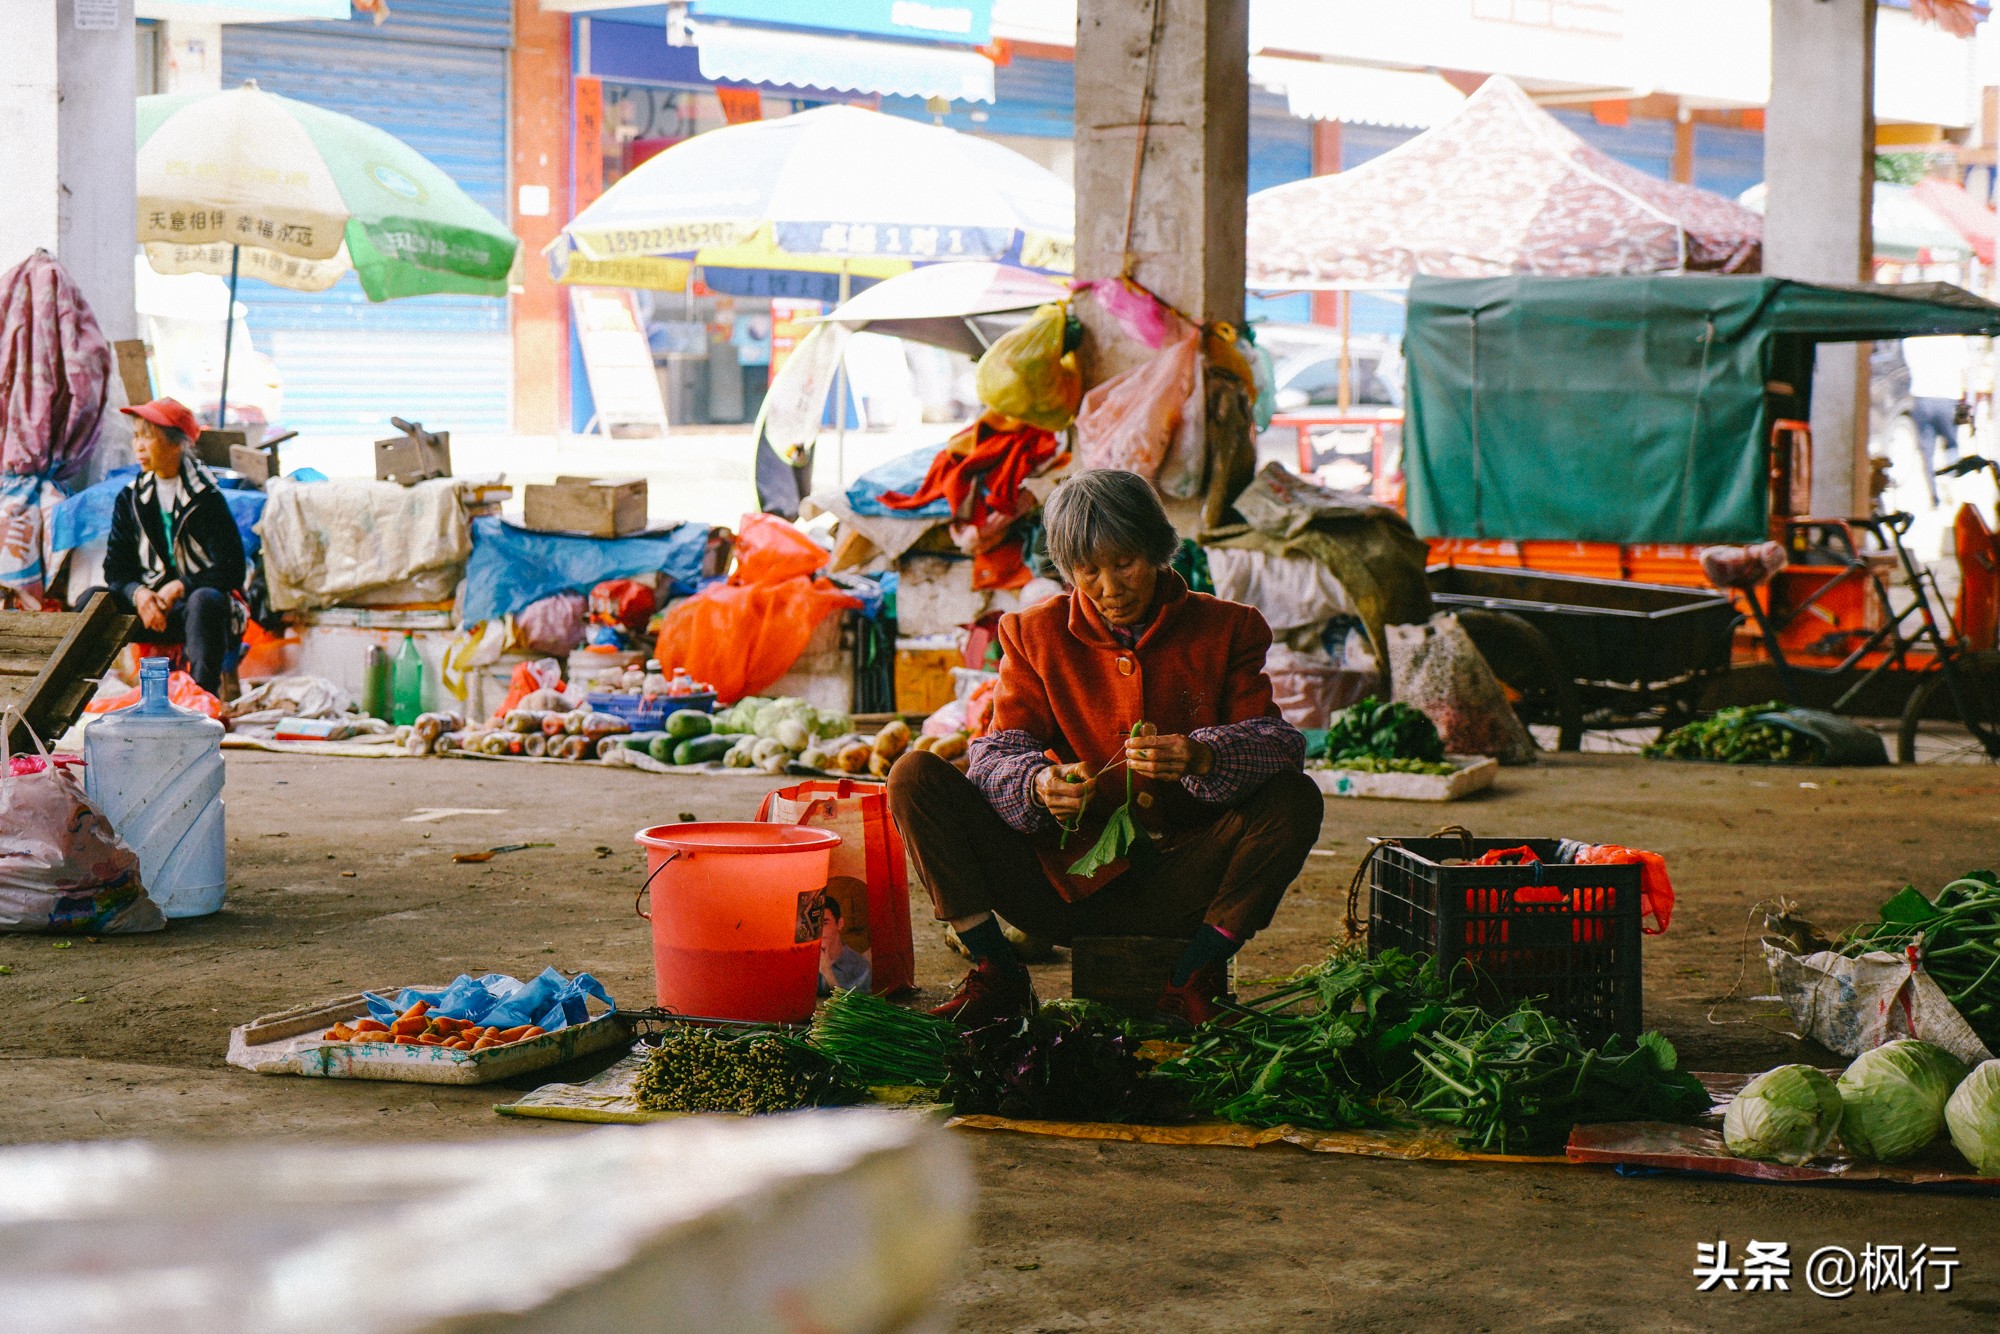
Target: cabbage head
<point x="1893" y="1098"/>
<point x="1786" y="1115"/>
<point x="1973" y="1117"/>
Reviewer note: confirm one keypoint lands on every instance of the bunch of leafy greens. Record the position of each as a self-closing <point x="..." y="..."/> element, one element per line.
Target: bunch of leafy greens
<point x="1958" y="938"/>
<point x="1734" y="736"/>
<point x="1066" y="1062"/>
<point x="1314" y="1052"/>
<point x="1372" y="729"/>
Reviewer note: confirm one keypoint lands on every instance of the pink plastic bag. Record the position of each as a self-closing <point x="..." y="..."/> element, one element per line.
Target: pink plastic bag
<point x="1129" y="420"/>
<point x="62" y="867"/>
<point x="1139" y="313"/>
<point x="551" y="625"/>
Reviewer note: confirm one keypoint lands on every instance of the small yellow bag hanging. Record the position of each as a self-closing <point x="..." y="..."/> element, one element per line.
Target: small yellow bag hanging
<point x="1030" y="373"/>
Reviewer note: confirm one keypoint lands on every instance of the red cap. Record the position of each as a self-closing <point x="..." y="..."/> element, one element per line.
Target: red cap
<point x="168" y="412"/>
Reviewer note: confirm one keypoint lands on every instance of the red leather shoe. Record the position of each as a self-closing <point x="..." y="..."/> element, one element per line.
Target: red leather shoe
<point x="1195" y="1001"/>
<point x="990" y="991"/>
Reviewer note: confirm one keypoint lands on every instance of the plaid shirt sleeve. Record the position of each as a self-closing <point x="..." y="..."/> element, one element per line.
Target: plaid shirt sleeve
<point x="1246" y="755"/>
<point x="1003" y="768"/>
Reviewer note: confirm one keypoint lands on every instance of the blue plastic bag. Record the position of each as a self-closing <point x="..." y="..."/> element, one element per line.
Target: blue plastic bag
<point x="551" y="1001"/>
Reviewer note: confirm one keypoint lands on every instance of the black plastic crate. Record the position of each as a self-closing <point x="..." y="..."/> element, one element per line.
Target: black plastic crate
<point x="1567" y="934"/>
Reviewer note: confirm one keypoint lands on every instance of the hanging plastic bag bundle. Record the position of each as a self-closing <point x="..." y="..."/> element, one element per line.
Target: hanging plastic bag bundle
<point x="1129" y="420"/>
<point x="1030" y="373"/>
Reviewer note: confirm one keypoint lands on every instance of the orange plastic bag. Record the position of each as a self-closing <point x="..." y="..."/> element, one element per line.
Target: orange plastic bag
<point x="769" y="549"/>
<point x="181" y="692"/>
<point x="744" y="636"/>
<point x="1128" y="421"/>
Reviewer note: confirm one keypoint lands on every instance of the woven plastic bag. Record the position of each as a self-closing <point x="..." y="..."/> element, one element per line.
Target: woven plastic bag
<point x="1436" y="668"/>
<point x="1026" y="374"/>
<point x="867" y="876"/>
<point x="1129" y="420"/>
<point x="62" y="867"/>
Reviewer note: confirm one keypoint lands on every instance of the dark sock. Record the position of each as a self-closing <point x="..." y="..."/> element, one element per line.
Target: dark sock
<point x="988" y="941"/>
<point x="1209" y="946"/>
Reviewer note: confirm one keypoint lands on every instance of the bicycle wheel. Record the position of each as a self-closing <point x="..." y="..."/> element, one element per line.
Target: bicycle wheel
<point x="1938" y="728"/>
<point x="1525" y="662"/>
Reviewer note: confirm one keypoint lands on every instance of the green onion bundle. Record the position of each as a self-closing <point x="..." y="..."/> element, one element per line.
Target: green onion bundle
<point x="1957" y="936"/>
<point x="876" y="1043"/>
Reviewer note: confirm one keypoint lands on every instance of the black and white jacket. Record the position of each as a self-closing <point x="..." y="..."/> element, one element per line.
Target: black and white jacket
<point x="207" y="550"/>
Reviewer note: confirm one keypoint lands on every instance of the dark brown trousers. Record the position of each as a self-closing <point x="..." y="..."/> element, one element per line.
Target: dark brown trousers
<point x="1231" y="876"/>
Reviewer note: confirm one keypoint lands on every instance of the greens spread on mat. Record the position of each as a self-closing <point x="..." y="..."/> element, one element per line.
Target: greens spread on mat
<point x="1735" y="736"/>
<point x="696" y="1069"/>
<point x="1373" y="730"/>
<point x="875" y="1043"/>
<point x="1068" y="1062"/>
<point x="1957" y="937"/>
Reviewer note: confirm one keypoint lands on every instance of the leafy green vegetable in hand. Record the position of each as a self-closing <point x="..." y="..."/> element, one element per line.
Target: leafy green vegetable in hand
<point x="1372" y="729"/>
<point x="1893" y="1098"/>
<point x="1122" y="836"/>
<point x="1786" y="1115"/>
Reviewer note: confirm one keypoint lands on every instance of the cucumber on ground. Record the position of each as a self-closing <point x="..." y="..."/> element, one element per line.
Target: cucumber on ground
<point x="702" y="749"/>
<point x="686" y="724"/>
<point x="661" y="748"/>
<point x="639" y="740"/>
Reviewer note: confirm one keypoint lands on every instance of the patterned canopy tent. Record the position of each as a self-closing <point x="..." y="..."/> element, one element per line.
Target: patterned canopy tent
<point x="1501" y="188"/>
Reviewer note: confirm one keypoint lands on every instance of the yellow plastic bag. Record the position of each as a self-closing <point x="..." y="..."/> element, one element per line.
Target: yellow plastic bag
<point x="1027" y="376"/>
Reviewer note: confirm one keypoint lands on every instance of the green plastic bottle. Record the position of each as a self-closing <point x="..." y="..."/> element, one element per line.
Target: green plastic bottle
<point x="409" y="682"/>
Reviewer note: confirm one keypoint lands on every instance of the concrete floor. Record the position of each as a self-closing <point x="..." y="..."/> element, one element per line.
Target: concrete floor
<point x="334" y="888"/>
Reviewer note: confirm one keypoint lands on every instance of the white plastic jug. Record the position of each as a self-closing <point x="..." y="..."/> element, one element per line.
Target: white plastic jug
<point x="156" y="773"/>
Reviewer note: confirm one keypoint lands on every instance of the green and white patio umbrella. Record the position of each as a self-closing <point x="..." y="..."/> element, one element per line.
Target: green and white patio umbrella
<point x="245" y="180"/>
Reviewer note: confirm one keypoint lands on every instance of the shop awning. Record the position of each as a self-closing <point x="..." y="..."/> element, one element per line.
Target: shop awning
<point x="730" y="53"/>
<point x="1358" y="94"/>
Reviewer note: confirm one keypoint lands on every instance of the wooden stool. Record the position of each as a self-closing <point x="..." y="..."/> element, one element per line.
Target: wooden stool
<point x="1123" y="972"/>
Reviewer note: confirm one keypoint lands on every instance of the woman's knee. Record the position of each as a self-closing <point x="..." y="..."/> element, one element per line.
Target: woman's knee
<point x="917" y="778"/>
<point x="1295" y="803"/>
<point x="207" y="599"/>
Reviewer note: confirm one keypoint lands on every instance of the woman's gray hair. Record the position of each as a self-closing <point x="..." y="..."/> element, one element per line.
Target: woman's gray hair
<point x="1106" y="512"/>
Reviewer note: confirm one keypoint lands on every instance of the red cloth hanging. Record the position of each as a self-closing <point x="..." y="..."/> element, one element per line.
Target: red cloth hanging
<point x="981" y="470"/>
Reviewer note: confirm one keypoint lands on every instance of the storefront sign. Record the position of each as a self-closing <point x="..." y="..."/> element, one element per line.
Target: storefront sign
<point x="961" y="22"/>
<point x="587" y="148"/>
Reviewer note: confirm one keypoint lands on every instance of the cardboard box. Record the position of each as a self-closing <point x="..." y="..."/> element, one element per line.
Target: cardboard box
<point x="923" y="679"/>
<point x="415" y="456"/>
<point x="589" y="506"/>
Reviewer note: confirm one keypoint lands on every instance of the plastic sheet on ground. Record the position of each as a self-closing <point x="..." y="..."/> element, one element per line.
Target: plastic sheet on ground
<point x="1430" y="1143"/>
<point x="512" y="567"/>
<point x="326" y="543"/>
<point x="1699" y="1148"/>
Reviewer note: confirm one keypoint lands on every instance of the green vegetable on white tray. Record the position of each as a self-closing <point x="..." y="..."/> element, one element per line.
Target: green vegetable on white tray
<point x="1973" y="1116"/>
<point x="1893" y="1098"/>
<point x="1371" y="729"/>
<point x="1787" y="1115"/>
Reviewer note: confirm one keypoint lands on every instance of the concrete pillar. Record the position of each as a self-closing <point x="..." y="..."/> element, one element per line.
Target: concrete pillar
<point x="192" y="56"/>
<point x="1819" y="173"/>
<point x="1187" y="225"/>
<point x="539" y="180"/>
<point x="66" y="119"/>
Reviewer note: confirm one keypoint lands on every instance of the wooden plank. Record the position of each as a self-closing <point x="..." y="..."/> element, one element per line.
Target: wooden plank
<point x="138" y="382"/>
<point x="91" y="638"/>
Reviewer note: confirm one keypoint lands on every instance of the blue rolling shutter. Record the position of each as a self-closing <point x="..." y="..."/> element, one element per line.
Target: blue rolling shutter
<point x="1727" y="161"/>
<point x="1280" y="151"/>
<point x="435" y="76"/>
<point x="1647" y="145"/>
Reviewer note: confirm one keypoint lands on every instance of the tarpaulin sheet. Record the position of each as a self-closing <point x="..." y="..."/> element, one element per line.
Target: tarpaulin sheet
<point x="1625" y="409"/>
<point x="903" y="474"/>
<point x="512" y="567"/>
<point x="85" y="517"/>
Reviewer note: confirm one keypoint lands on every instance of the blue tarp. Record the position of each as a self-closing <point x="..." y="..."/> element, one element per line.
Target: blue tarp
<point x="86" y="516"/>
<point x="903" y="475"/>
<point x="551" y="1000"/>
<point x="512" y="567"/>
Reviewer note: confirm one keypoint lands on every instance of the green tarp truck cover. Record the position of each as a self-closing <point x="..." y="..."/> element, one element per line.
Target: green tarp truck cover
<point x="1625" y="409"/>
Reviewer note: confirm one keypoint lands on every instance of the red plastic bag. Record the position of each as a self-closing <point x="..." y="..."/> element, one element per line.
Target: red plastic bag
<point x="741" y="637"/>
<point x="181" y="692"/>
<point x="625" y="602"/>
<point x="1656" y="892"/>
<point x="769" y="550"/>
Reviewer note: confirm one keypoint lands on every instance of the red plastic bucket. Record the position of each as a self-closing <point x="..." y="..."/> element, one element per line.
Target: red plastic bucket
<point x="735" y="917"/>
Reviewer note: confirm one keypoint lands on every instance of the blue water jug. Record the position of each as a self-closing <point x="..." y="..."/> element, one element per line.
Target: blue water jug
<point x="156" y="773"/>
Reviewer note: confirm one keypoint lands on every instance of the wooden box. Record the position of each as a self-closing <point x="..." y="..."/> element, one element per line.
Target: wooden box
<point x="256" y="464"/>
<point x="415" y="456"/>
<point x="213" y="446"/>
<point x="588" y="506"/>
